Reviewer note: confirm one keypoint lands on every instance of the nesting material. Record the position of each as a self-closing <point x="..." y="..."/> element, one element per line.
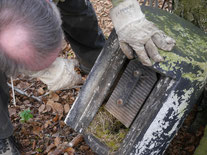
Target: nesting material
<point x="107" y="129"/>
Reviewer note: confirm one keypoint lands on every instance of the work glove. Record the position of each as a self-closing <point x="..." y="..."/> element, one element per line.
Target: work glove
<point x="136" y="33"/>
<point x="60" y="75"/>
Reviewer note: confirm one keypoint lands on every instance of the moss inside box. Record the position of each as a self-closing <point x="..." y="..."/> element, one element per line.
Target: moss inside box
<point x="107" y="129"/>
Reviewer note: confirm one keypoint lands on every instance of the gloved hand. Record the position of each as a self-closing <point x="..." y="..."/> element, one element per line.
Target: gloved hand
<point x="136" y="33"/>
<point x="60" y="75"/>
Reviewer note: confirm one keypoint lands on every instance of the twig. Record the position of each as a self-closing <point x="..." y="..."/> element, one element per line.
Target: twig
<point x="76" y="140"/>
<point x="47" y="93"/>
<point x="25" y="94"/>
<point x="13" y="93"/>
<point x="28" y="87"/>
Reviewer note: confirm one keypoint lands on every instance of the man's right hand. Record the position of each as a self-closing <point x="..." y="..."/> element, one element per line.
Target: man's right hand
<point x="60" y="75"/>
<point x="136" y="33"/>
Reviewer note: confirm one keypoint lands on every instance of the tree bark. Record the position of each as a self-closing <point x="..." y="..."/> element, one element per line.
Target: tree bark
<point x="194" y="11"/>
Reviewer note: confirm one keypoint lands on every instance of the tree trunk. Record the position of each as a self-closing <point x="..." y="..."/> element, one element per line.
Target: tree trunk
<point x="194" y="11"/>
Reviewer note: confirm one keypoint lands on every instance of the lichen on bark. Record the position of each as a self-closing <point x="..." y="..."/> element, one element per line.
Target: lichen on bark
<point x="194" y="11"/>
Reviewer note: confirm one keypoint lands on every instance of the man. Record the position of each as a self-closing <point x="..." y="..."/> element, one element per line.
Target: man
<point x="86" y="38"/>
<point x="30" y="40"/>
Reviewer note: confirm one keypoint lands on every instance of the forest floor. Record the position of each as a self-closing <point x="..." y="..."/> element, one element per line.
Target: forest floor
<point x="46" y="132"/>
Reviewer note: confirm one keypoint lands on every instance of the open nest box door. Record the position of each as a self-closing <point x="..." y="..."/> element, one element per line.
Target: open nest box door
<point x="127" y="108"/>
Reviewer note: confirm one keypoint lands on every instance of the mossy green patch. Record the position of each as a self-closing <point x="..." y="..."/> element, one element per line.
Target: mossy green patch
<point x="202" y="148"/>
<point x="107" y="129"/>
<point x="189" y="56"/>
<point x="194" y="11"/>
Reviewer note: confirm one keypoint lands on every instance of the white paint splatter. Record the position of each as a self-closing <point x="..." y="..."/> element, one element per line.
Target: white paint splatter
<point x="175" y="103"/>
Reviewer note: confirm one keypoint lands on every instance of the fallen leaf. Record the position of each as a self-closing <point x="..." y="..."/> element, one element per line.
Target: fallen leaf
<point x="58" y="151"/>
<point x="33" y="144"/>
<point x="84" y="148"/>
<point x="57" y="141"/>
<point x="70" y="151"/>
<point x="36" y="130"/>
<point x="64" y="97"/>
<point x="22" y="107"/>
<point x="41" y="108"/>
<point x="40" y="91"/>
<point x="55" y="119"/>
<point x="66" y="108"/>
<point x="48" y="108"/>
<point x="54" y="129"/>
<point x="50" y="147"/>
<point x="55" y="97"/>
<point x="26" y="102"/>
<point x="58" y="108"/>
<point x="62" y="124"/>
<point x="12" y="111"/>
<point x="47" y="123"/>
<point x="50" y="103"/>
<point x="23" y="85"/>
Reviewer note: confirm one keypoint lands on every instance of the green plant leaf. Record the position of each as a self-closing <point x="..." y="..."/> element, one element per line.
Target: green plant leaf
<point x="25" y="115"/>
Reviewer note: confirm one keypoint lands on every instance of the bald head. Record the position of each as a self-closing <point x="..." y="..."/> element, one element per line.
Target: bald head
<point x="15" y="42"/>
<point x="30" y="34"/>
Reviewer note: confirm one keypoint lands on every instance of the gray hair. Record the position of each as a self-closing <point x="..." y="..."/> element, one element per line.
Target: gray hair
<point x="41" y="19"/>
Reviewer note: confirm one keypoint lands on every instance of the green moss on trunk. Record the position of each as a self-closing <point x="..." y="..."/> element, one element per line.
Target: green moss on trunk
<point x="194" y="11"/>
<point x="202" y="148"/>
